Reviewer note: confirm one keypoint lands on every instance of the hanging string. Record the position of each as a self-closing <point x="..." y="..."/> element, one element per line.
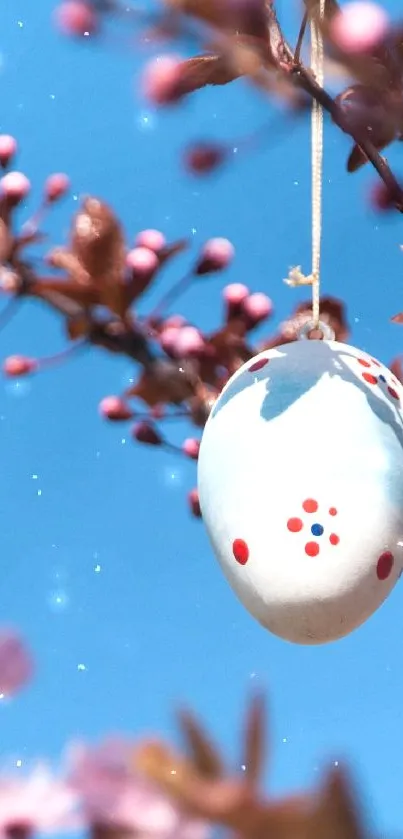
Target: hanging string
<point x="295" y="276"/>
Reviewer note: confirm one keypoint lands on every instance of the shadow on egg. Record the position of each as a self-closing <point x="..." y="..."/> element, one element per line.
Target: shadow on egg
<point x="295" y="385"/>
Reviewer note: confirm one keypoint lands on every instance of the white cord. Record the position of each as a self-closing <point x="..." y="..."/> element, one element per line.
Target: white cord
<point x="296" y="277"/>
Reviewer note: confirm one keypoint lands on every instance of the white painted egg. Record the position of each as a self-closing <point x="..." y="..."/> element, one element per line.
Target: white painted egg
<point x="300" y="478"/>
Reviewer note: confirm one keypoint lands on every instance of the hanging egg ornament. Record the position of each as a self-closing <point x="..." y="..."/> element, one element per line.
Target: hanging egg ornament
<point x="300" y="477"/>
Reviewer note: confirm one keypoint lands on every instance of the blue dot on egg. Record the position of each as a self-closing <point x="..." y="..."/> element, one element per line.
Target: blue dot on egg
<point x="382" y="379"/>
<point x="316" y="530"/>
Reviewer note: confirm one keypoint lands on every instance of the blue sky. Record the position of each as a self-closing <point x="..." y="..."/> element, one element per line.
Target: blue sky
<point x="101" y="566"/>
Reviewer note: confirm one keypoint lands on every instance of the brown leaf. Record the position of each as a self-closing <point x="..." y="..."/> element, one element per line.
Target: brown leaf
<point x="97" y="241"/>
<point x="336" y="815"/>
<point x="6" y="241"/>
<point x="397" y="368"/>
<point x="203" y="70"/>
<point x="78" y="327"/>
<point x="97" y="238"/>
<point x="165" y="382"/>
<point x="246" y="18"/>
<point x="358" y="158"/>
<point x="65" y="260"/>
<point x="204" y="755"/>
<point x="255" y="732"/>
<point x="332" y="312"/>
<point x="46" y="289"/>
<point x="161" y="765"/>
<point x="171" y="250"/>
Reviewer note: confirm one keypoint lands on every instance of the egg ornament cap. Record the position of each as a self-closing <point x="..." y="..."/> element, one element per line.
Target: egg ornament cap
<point x="300" y="477"/>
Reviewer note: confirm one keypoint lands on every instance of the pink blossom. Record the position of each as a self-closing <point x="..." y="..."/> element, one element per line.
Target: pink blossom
<point x="8" y="148"/>
<point x="168" y="338"/>
<point x="114" y="408"/>
<point x="359" y="26"/>
<point x="174" y="321"/>
<point x="257" y="307"/>
<point x="194" y="503"/>
<point x="235" y="293"/>
<point x="191" y="447"/>
<point x="40" y="802"/>
<point x="188" y="341"/>
<point x="56" y="186"/>
<point x="161" y="79"/>
<point x="154" y="240"/>
<point x="16" y="666"/>
<point x="76" y="18"/>
<point x="142" y="261"/>
<point x="216" y="255"/>
<point x="19" y="365"/>
<point x="15" y="186"/>
<point x="110" y="791"/>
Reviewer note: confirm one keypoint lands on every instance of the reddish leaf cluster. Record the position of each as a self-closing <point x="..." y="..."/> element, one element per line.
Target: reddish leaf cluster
<point x="99" y="283"/>
<point x="244" y="38"/>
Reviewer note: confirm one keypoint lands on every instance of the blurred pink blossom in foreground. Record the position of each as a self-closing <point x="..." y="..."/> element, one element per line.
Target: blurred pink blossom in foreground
<point x="38" y="802"/>
<point x="16" y="666"/>
<point x="112" y="794"/>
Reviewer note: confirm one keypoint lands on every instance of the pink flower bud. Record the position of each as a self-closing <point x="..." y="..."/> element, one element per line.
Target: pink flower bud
<point x="381" y="197"/>
<point x="16" y="666"/>
<point x="194" y="503"/>
<point x="215" y="256"/>
<point x="15" y="186"/>
<point x="114" y="408"/>
<point x="145" y="432"/>
<point x="203" y="158"/>
<point x="142" y="262"/>
<point x="76" y="18"/>
<point x="235" y="293"/>
<point x="174" y="320"/>
<point x="158" y="412"/>
<point x="359" y="26"/>
<point x="56" y="186"/>
<point x="190" y="447"/>
<point x="257" y="307"/>
<point x="161" y="80"/>
<point x="19" y="365"/>
<point x="8" y="149"/>
<point x="154" y="240"/>
<point x="168" y="338"/>
<point x="188" y="342"/>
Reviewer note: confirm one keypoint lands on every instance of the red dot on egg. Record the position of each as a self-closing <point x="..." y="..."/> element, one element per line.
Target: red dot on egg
<point x="334" y="539"/>
<point x="393" y="393"/>
<point x="332" y="511"/>
<point x="363" y="362"/>
<point x="257" y="365"/>
<point x="372" y="380"/>
<point x="312" y="548"/>
<point x="295" y="525"/>
<point x="384" y="565"/>
<point x="310" y="505"/>
<point x="241" y="551"/>
<point x="377" y="363"/>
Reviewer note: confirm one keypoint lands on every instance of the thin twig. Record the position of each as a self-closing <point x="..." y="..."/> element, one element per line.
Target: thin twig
<point x="301" y="35"/>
